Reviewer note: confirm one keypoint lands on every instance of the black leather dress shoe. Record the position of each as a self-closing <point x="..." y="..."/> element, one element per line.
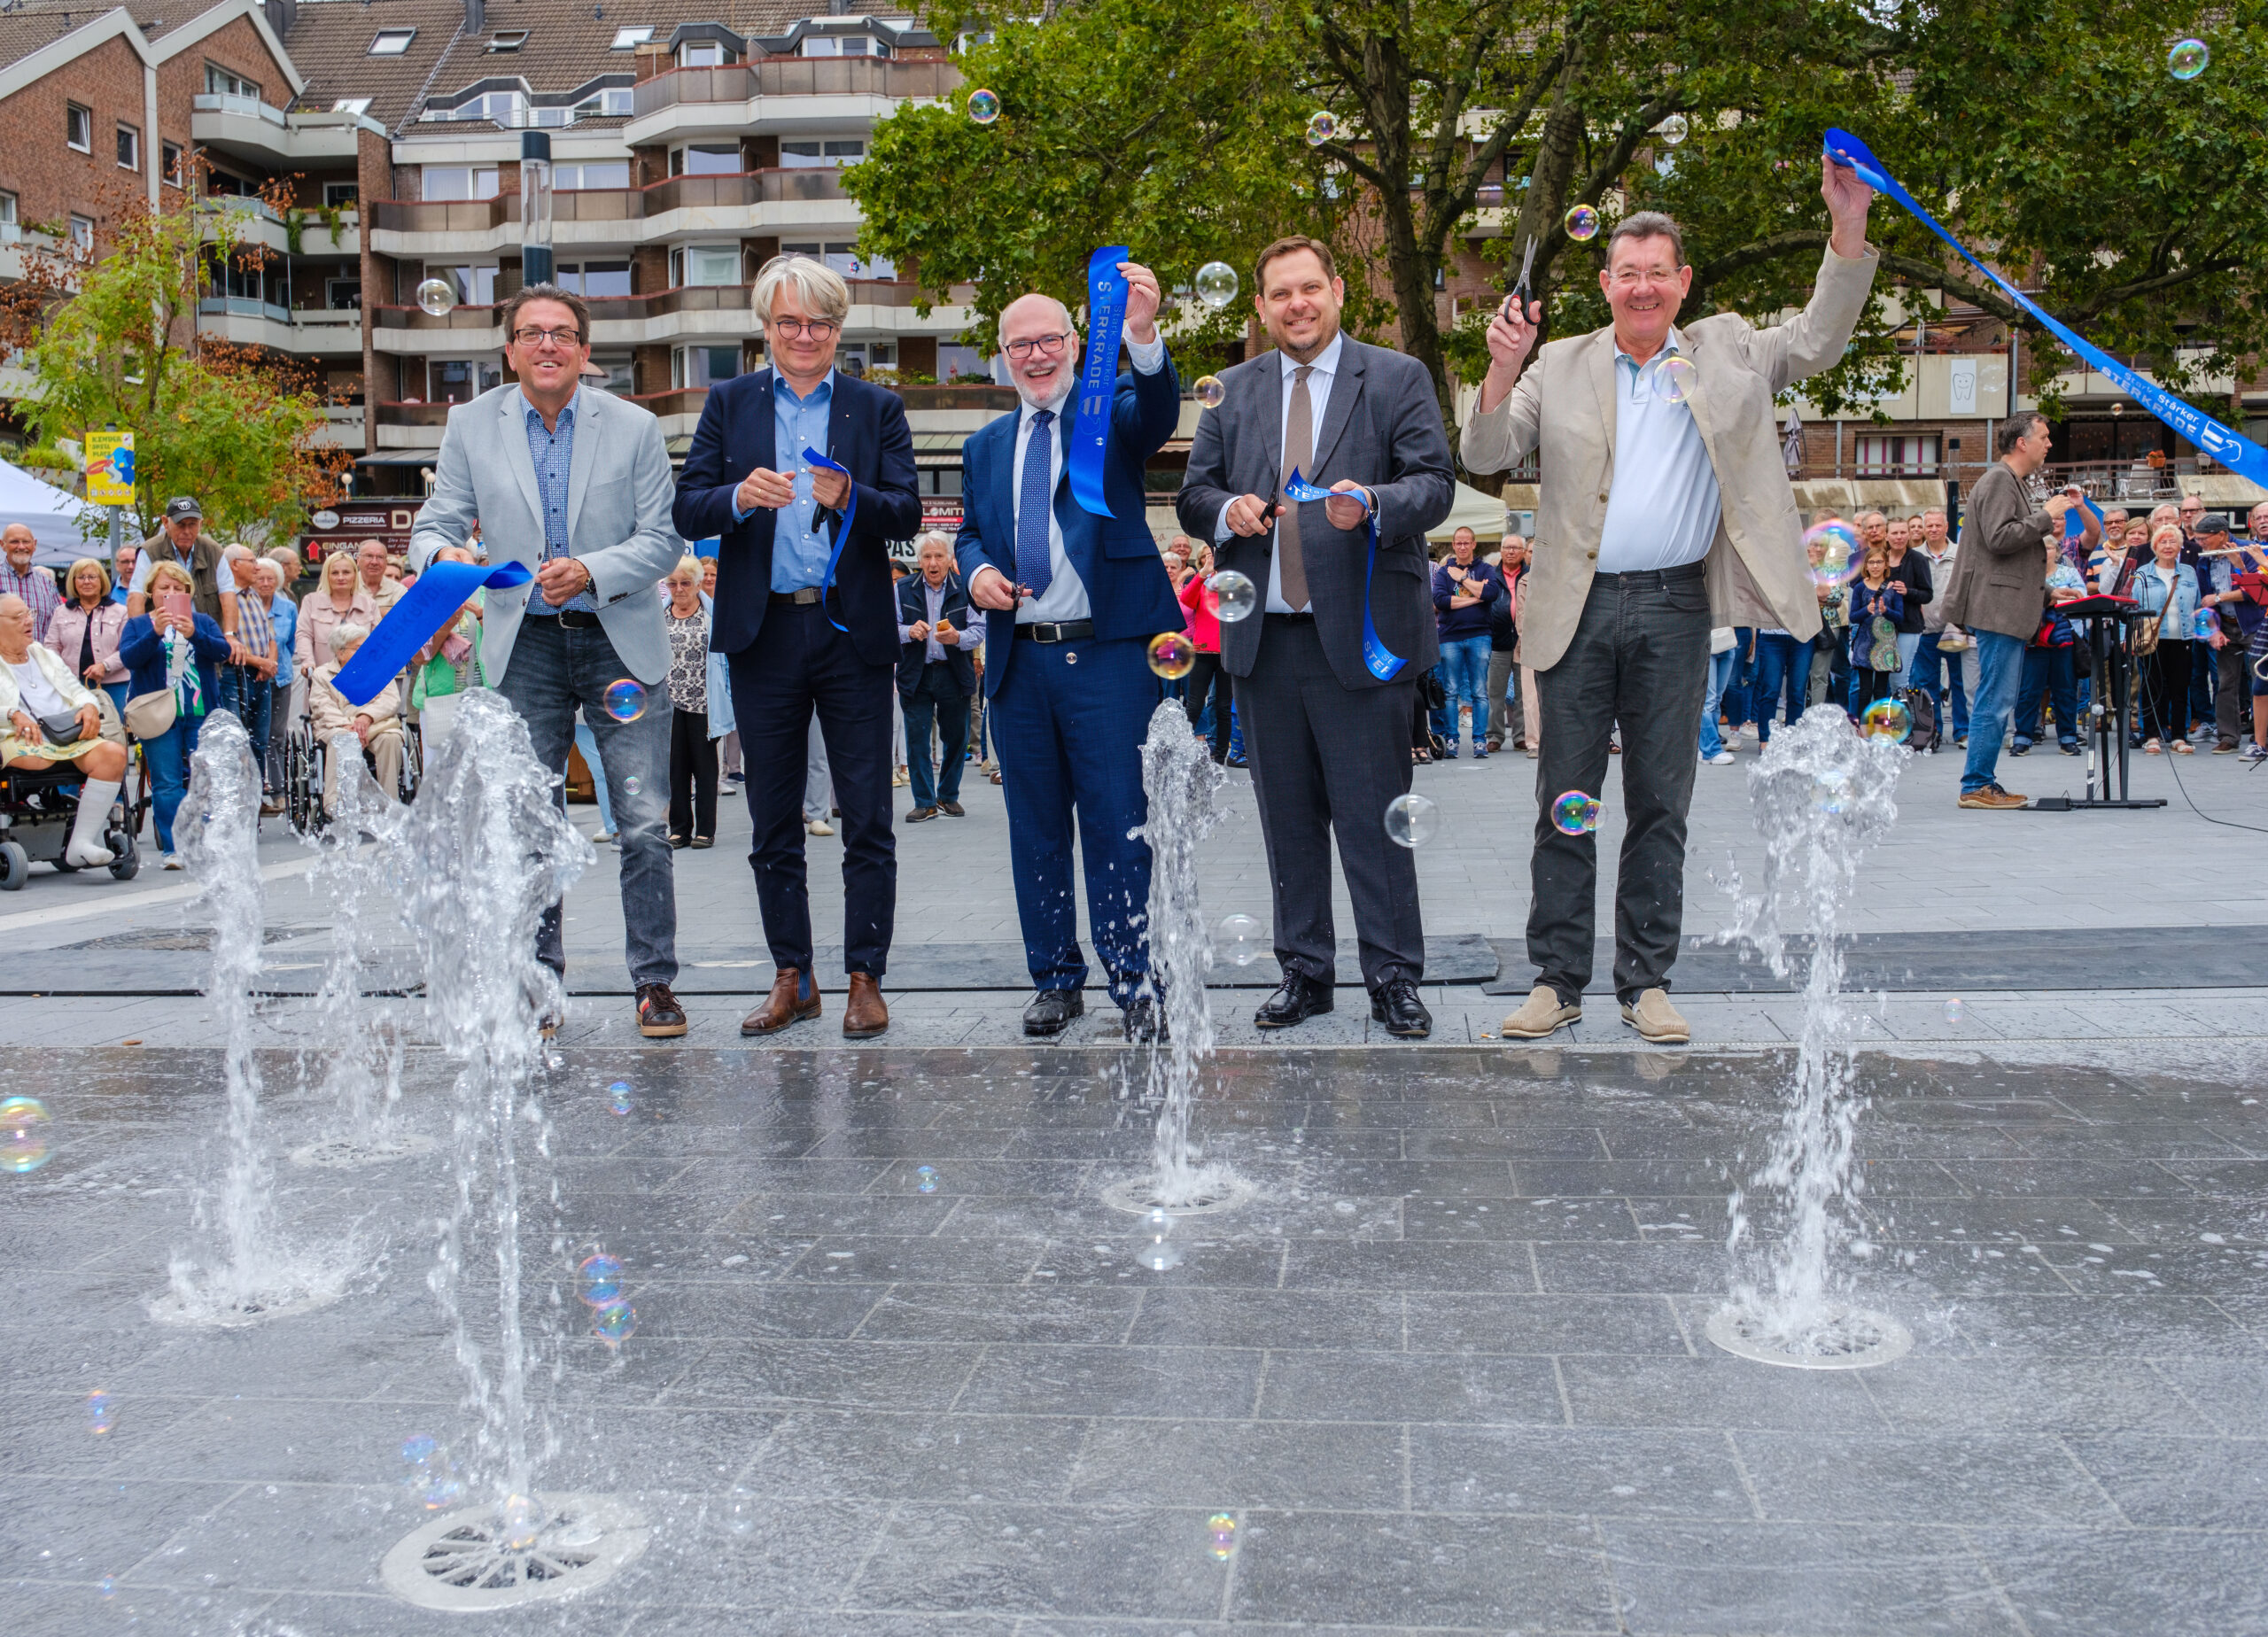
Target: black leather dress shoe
<point x="1146" y="1022"/>
<point x="1051" y="1012"/>
<point x="1296" y="1000"/>
<point x="1394" y="1003"/>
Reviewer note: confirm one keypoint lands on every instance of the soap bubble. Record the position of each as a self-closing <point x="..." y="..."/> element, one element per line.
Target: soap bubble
<point x="633" y="785"/>
<point x="2208" y="623"/>
<point x="23" y="1134"/>
<point x="1887" y="719"/>
<point x="1830" y="790"/>
<point x="925" y="1178"/>
<point x="1673" y="129"/>
<point x="1582" y="224"/>
<point x="1156" y="1250"/>
<point x="624" y="700"/>
<point x="599" y="1279"/>
<point x="1574" y="813"/>
<point x="1411" y="820"/>
<point x="99" y="1421"/>
<point x="1954" y="1010"/>
<point x="1209" y="390"/>
<point x="1221" y="1533"/>
<point x="107" y="1587"/>
<point x="1838" y="544"/>
<point x="984" y="107"/>
<point x="614" y="1323"/>
<point x="1172" y="654"/>
<point x="740" y="1514"/>
<point x="1235" y="593"/>
<point x="432" y="1476"/>
<point x="1674" y="378"/>
<point x="618" y="1096"/>
<point x="437" y="297"/>
<point x="1216" y="284"/>
<point x="1238" y="939"/>
<point x="518" y="1523"/>
<point x="2188" y="59"/>
<point x="1321" y="128"/>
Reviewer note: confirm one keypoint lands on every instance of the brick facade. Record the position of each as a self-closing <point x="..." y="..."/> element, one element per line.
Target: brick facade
<point x="51" y="181"/>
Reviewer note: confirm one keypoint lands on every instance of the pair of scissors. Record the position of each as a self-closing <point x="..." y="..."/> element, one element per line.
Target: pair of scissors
<point x="1519" y="289"/>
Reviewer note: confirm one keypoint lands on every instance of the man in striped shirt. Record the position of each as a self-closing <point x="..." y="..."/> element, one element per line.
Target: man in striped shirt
<point x="20" y="578"/>
<point x="247" y="680"/>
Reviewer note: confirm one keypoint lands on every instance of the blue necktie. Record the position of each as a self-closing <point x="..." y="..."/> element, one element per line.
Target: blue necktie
<point x="1034" y="565"/>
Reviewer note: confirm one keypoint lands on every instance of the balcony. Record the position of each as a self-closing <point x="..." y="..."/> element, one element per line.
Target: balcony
<point x="694" y="312"/>
<point x="256" y="222"/>
<point x="251" y="322"/>
<point x="247" y="129"/>
<point x="849" y="93"/>
<point x="747" y="202"/>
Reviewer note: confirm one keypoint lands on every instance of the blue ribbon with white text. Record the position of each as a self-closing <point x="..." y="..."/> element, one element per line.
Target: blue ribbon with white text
<point x="426" y="607"/>
<point x="1099" y="379"/>
<point x="841" y="535"/>
<point x="2232" y="449"/>
<point x="1383" y="661"/>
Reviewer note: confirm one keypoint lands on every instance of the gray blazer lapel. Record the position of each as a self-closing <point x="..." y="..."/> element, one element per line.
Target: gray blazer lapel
<point x="1340" y="410"/>
<point x="1270" y="392"/>
<point x="591" y="416"/>
<point x="514" y="432"/>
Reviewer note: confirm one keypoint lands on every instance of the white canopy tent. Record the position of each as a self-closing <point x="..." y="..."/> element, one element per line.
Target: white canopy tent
<point x="53" y="515"/>
<point x="1483" y="514"/>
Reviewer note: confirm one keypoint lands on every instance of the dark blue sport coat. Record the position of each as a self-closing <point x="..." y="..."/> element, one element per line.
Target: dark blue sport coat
<point x="866" y="432"/>
<point x="1127" y="590"/>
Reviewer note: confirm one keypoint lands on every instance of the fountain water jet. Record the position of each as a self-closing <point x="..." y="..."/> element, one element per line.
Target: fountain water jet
<point x="1822" y="795"/>
<point x="260" y="1277"/>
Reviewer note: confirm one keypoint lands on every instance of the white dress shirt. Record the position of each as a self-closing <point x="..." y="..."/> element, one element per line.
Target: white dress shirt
<point x="1663" y="507"/>
<point x="1066" y="596"/>
<point x="1322" y="370"/>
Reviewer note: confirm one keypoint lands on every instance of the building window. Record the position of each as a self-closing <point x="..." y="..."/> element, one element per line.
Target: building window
<point x="342" y="295"/>
<point x="337" y="194"/>
<point x="170" y="154"/>
<point x="220" y="82"/>
<point x="461" y="181"/>
<point x="509" y="41"/>
<point x="11" y="230"/>
<point x="699" y="366"/>
<point x="844" y="258"/>
<point x="611" y="101"/>
<point x="461" y="380"/>
<point x="706" y="158"/>
<point x="597" y="280"/>
<point x="843" y="45"/>
<point x="956" y="362"/>
<point x="860" y="356"/>
<point x="705" y="264"/>
<point x="130" y="148"/>
<point x="803" y="153"/>
<point x="616" y="367"/>
<point x="700" y="54"/>
<point x="1893" y="454"/>
<point x="476" y="286"/>
<point x="391" y="41"/>
<point x="82" y="235"/>
<point x="630" y="38"/>
<point x="589" y="174"/>
<point x="351" y="105"/>
<point x="78" y="128"/>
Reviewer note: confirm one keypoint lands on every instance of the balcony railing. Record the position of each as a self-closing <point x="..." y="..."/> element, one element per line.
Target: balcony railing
<point x="658" y="304"/>
<point x="244" y="306"/>
<point x="415" y="414"/>
<point x="229" y="102"/>
<point x="741" y="188"/>
<point x="801" y="76"/>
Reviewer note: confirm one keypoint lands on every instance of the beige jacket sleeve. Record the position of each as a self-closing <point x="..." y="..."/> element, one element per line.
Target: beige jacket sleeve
<point x="1503" y="438"/>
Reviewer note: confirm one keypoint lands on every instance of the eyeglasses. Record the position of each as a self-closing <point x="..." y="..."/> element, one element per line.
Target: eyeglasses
<point x="557" y="338"/>
<point x="1630" y="278"/>
<point x="1024" y="348"/>
<point x="817" y="329"/>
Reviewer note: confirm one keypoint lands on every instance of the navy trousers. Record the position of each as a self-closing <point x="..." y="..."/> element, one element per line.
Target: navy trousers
<point x="805" y="665"/>
<point x="1067" y="726"/>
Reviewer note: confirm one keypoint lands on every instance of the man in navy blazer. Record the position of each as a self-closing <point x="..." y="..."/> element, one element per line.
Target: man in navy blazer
<point x="807" y="620"/>
<point x="1073" y="602"/>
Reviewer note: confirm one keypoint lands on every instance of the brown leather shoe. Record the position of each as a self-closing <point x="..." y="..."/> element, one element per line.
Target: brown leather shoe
<point x="659" y="1016"/>
<point x="794" y="997"/>
<point x="865" y="1013"/>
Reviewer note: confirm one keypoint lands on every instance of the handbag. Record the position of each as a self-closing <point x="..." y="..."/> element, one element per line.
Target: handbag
<point x="150" y="715"/>
<point x="62" y="728"/>
<point x="1433" y="691"/>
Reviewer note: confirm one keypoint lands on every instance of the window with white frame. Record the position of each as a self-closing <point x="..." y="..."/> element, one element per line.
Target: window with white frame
<point x="459" y="182"/>
<point x="335" y="195"/>
<point x="170" y="156"/>
<point x="706" y="158"/>
<point x="856" y="358"/>
<point x="612" y="100"/>
<point x="843" y="45"/>
<point x="391" y="41"/>
<point x="461" y="380"/>
<point x="590" y="173"/>
<point x="82" y="235"/>
<point x="220" y="82"/>
<point x="705" y="264"/>
<point x="351" y="105"/>
<point x="700" y="54"/>
<point x="130" y="148"/>
<point x="1893" y="454"/>
<point x="844" y="257"/>
<point x="615" y="367"/>
<point x="595" y="279"/>
<point x="808" y="152"/>
<point x="78" y="128"/>
<point x="702" y="366"/>
<point x="631" y="38"/>
<point x="12" y="230"/>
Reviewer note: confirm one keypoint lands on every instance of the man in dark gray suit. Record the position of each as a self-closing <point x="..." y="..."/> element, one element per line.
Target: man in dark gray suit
<point x="1327" y="738"/>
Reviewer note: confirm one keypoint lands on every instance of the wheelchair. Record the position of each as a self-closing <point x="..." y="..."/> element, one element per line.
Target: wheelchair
<point x="39" y="806"/>
<point x="305" y="773"/>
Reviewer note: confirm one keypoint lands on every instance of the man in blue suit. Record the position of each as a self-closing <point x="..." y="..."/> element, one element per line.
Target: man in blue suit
<point x="807" y="618"/>
<point x="1073" y="602"/>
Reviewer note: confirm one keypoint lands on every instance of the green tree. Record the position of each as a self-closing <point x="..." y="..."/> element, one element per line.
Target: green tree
<point x="111" y="341"/>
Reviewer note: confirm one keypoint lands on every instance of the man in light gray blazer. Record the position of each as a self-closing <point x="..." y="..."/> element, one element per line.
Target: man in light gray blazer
<point x="1666" y="510"/>
<point x="576" y="485"/>
<point x="1328" y="738"/>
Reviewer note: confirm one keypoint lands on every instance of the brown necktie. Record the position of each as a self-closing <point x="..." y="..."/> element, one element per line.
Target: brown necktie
<point x="1299" y="452"/>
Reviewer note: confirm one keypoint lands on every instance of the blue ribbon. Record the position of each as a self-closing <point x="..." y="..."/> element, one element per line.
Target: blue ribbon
<point x="2230" y="449"/>
<point x="409" y="626"/>
<point x="841" y="535"/>
<point x="1383" y="661"/>
<point x="1099" y="379"/>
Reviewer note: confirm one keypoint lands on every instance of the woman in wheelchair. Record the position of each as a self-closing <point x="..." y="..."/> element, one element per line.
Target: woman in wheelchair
<point x="50" y="716"/>
<point x="377" y="726"/>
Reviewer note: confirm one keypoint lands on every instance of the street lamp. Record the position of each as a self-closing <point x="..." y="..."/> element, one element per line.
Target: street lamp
<point x="535" y="208"/>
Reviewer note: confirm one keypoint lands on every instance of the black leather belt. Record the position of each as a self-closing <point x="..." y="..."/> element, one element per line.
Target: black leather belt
<point x="1656" y="579"/>
<point x="802" y="596"/>
<point x="573" y="619"/>
<point x="1293" y="619"/>
<point x="1060" y="631"/>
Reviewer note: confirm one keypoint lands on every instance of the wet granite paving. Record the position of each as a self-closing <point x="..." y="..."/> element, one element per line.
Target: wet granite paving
<point x="1446" y="1372"/>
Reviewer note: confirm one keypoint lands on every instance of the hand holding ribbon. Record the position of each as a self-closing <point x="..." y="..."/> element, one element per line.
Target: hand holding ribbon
<point x="1381" y="661"/>
<point x="1098" y="379"/>
<point x="427" y="606"/>
<point x="841" y="534"/>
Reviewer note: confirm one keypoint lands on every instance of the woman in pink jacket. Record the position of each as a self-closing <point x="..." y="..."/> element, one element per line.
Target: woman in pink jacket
<point x="83" y="631"/>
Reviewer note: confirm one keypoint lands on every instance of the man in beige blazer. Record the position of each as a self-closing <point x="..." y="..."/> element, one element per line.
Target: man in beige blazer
<point x="1665" y="510"/>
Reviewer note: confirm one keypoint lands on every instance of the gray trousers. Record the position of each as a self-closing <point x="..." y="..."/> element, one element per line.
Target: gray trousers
<point x="1325" y="757"/>
<point x="1500" y="711"/>
<point x="1640" y="659"/>
<point x="2232" y="686"/>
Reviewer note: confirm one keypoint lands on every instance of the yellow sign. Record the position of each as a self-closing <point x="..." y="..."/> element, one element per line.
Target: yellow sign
<point x="110" y="468"/>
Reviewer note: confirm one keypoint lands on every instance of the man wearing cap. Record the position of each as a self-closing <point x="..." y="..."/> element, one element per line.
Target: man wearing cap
<point x="181" y="537"/>
<point x="2232" y="683"/>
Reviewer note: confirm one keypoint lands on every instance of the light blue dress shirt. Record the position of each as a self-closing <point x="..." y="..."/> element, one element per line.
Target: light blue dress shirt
<point x="799" y="549"/>
<point x="1065" y="597"/>
<point x="1663" y="507"/>
<point x="554" y="454"/>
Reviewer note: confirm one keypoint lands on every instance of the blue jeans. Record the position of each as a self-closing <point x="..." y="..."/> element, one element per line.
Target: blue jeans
<point x="554" y="668"/>
<point x="253" y="698"/>
<point x="1720" y="671"/>
<point x="1936" y="674"/>
<point x="1735" y="706"/>
<point x="1909" y="643"/>
<point x="2000" y="668"/>
<point x="936" y="697"/>
<point x="1465" y="677"/>
<point x="587" y="743"/>
<point x="167" y="757"/>
<point x="2049" y="675"/>
<point x="1783" y="668"/>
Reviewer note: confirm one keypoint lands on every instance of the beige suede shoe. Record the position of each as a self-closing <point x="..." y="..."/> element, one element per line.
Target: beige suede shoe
<point x="1657" y="1021"/>
<point x="1539" y="1015"/>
